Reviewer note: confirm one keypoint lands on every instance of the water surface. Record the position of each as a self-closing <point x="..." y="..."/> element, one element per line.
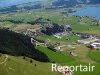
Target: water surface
<point x="92" y="11"/>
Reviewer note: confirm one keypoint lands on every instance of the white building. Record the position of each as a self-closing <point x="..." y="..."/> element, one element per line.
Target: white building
<point x="87" y="41"/>
<point x="58" y="35"/>
<point x="95" y="45"/>
<point x="61" y="35"/>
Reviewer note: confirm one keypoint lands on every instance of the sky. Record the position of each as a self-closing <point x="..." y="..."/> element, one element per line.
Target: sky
<point x="5" y="3"/>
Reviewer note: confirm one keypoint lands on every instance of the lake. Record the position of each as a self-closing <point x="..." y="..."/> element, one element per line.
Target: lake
<point x="92" y="11"/>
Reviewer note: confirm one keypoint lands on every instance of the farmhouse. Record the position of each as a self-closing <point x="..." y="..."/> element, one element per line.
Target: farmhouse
<point x="95" y="45"/>
<point x="58" y="35"/>
<point x="87" y="41"/>
<point x="73" y="54"/>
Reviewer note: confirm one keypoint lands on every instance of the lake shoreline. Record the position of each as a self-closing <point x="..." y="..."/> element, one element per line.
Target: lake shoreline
<point x="89" y="11"/>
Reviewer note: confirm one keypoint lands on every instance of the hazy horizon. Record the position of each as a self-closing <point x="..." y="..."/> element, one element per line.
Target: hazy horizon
<point x="5" y="3"/>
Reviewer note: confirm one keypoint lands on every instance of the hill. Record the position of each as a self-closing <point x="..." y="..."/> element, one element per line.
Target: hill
<point x="6" y="3"/>
<point x="47" y="4"/>
<point x="19" y="45"/>
<point x="55" y="57"/>
<point x="19" y="66"/>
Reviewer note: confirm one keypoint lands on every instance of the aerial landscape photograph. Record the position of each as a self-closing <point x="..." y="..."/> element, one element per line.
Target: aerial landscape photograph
<point x="49" y="37"/>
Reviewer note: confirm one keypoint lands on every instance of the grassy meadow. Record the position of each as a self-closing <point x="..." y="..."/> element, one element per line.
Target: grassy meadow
<point x="19" y="66"/>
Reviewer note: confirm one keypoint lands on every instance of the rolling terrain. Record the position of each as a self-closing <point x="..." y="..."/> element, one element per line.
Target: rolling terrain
<point x="19" y="45"/>
<point x="41" y="21"/>
<point x="16" y="6"/>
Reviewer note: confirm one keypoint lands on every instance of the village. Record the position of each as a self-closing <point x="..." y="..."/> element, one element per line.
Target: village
<point x="89" y="40"/>
<point x="61" y="39"/>
<point x="50" y="37"/>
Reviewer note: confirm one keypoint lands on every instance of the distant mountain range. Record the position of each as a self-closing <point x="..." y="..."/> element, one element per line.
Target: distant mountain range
<point x="5" y="3"/>
<point x="69" y="3"/>
<point x="38" y="4"/>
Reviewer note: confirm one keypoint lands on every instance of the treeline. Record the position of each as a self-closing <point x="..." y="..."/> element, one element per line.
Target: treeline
<point x="9" y="9"/>
<point x="55" y="29"/>
<point x="19" y="45"/>
<point x="16" y="8"/>
<point x="52" y="30"/>
<point x="64" y="3"/>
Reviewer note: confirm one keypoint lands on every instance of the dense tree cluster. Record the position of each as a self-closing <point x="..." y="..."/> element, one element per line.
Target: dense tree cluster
<point x="55" y="29"/>
<point x="19" y="45"/>
<point x="65" y="3"/>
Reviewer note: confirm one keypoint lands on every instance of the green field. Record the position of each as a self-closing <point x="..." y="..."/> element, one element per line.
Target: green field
<point x="17" y="65"/>
<point x="72" y="39"/>
<point x="20" y="66"/>
<point x="95" y="55"/>
<point x="66" y="60"/>
<point x="55" y="57"/>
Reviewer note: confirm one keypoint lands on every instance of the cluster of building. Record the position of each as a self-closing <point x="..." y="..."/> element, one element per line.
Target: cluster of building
<point x="82" y="35"/>
<point x="29" y="32"/>
<point x="87" y="41"/>
<point x="95" y="45"/>
<point x="92" y="41"/>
